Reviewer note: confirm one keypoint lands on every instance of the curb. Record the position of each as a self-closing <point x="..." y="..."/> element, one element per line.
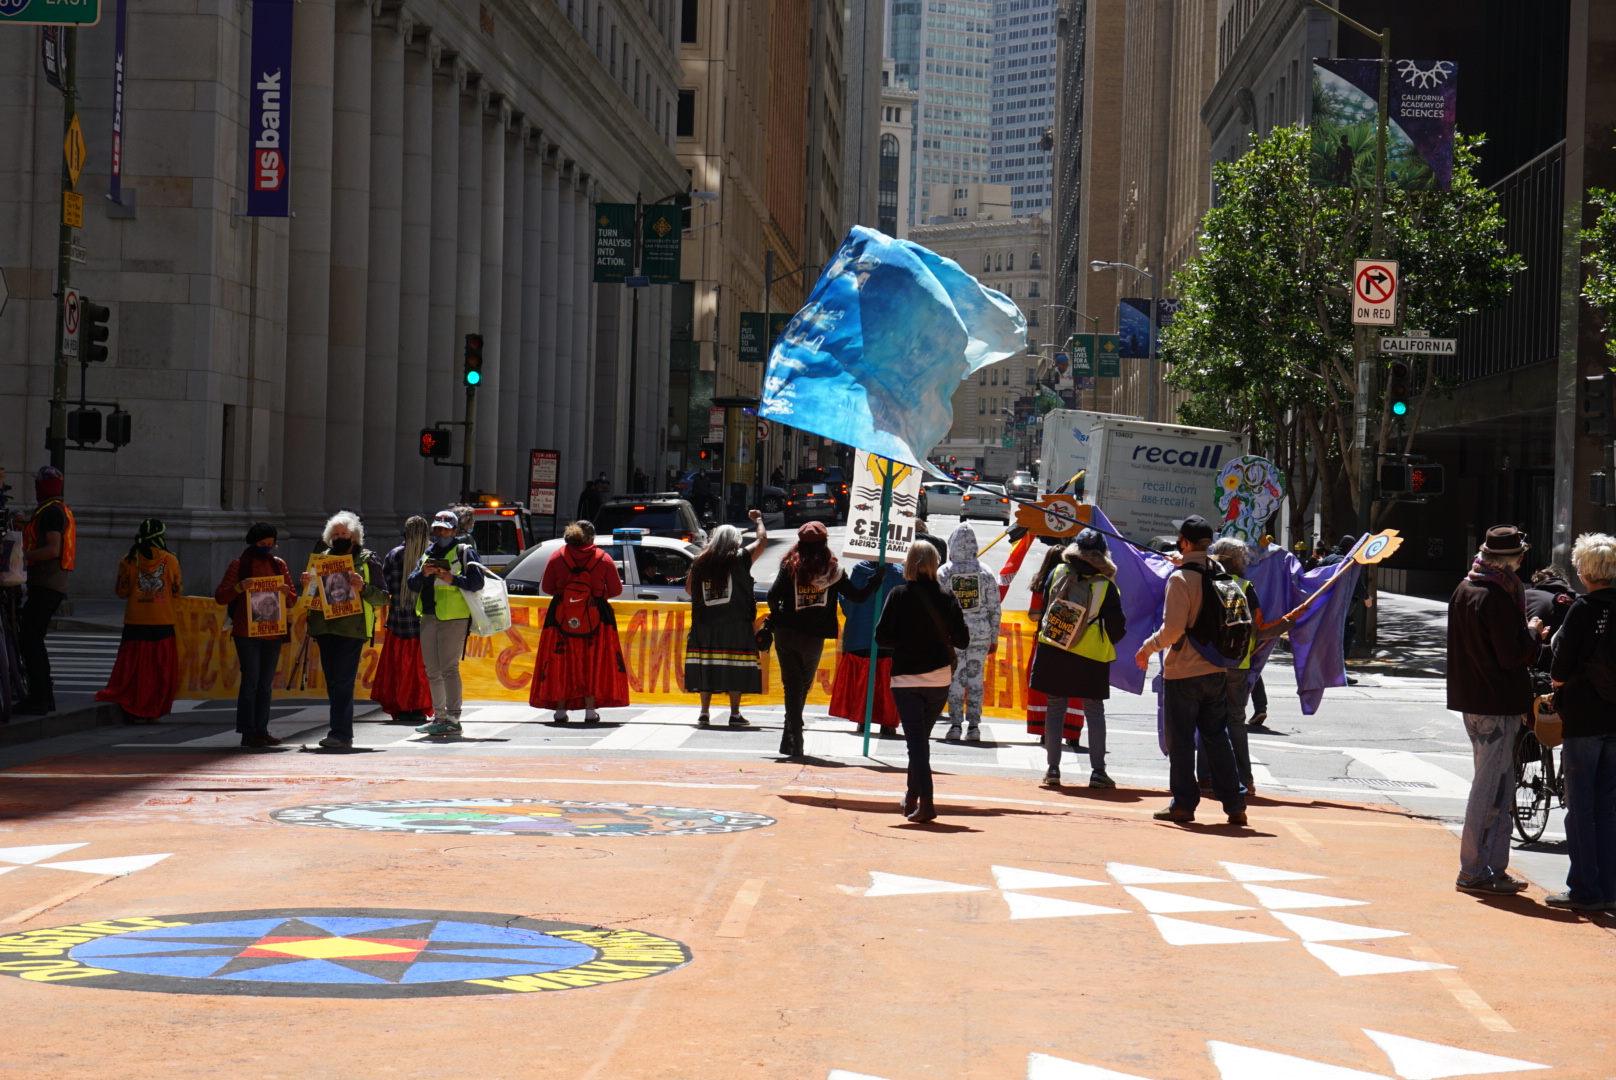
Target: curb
<point x="85" y="718"/>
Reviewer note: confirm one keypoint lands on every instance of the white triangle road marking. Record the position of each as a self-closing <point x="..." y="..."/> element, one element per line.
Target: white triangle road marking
<point x="1017" y="877"/>
<point x="843" y="1074"/>
<point x="8" y="869"/>
<point x="1246" y="872"/>
<point x="34" y="854"/>
<point x="1347" y="962"/>
<point x="1167" y="903"/>
<point x="1184" y="932"/>
<point x="1129" y="874"/>
<point x="1044" y="1067"/>
<point x="1312" y="928"/>
<point x="124" y="864"/>
<point x="1413" y="1059"/>
<point x="1249" y="1063"/>
<point x="1270" y="897"/>
<point x="901" y="885"/>
<point x="1027" y="906"/>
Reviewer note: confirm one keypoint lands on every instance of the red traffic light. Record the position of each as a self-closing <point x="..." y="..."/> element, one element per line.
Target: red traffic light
<point x="436" y="443"/>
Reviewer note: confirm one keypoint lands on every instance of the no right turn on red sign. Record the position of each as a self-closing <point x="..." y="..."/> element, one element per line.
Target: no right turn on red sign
<point x="1374" y="292"/>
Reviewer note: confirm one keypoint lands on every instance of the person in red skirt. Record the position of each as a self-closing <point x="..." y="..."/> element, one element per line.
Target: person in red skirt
<point x="146" y="674"/>
<point x="400" y="685"/>
<point x="848" y="690"/>
<point x="580" y="661"/>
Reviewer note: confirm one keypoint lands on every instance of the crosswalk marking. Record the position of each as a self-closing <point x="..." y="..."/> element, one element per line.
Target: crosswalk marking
<point x="1402" y="765"/>
<point x="663" y="728"/>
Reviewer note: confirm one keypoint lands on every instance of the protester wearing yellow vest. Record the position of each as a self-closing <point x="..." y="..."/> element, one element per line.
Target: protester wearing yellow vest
<point x="49" y="543"/>
<point x="446" y="567"/>
<point x="1077" y="637"/>
<point x="342" y="641"/>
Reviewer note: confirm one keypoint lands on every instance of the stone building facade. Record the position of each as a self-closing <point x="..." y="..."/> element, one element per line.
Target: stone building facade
<point x="444" y="162"/>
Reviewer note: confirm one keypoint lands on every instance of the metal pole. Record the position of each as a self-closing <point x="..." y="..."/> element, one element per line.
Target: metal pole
<point x="471" y="444"/>
<point x="880" y="598"/>
<point x="56" y="436"/>
<point x="768" y="346"/>
<point x="1150" y="363"/>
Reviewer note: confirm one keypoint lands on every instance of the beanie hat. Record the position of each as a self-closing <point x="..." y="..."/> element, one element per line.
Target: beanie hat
<point x="261" y="530"/>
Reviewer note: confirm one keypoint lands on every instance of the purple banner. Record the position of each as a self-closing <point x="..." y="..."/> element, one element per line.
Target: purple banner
<point x="269" y="110"/>
<point x="115" y="175"/>
<point x="1422" y="104"/>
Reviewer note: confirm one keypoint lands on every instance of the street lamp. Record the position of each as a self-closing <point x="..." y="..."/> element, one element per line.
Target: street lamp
<point x="1155" y="301"/>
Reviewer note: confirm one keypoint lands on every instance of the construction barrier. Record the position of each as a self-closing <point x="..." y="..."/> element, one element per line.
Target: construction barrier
<point x="501" y="668"/>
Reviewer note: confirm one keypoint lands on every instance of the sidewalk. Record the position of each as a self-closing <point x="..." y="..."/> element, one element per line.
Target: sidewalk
<point x="1412" y="638"/>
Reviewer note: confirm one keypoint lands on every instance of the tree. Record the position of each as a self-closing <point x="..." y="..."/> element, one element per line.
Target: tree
<point x="1263" y="337"/>
<point x="1599" y="288"/>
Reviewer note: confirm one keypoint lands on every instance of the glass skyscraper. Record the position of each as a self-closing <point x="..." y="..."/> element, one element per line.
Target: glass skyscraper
<point x="1024" y="46"/>
<point x="941" y="49"/>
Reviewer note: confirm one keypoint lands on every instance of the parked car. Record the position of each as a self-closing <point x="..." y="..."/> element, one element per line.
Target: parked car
<point x="659" y="515"/>
<point x="985" y="501"/>
<point x="833" y="478"/>
<point x="940" y="497"/>
<point x="811" y="502"/>
<point x="653" y="567"/>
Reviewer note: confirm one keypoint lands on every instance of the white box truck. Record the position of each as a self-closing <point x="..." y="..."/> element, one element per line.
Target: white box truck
<point x="1146" y="476"/>
<point x="998" y="463"/>
<point x="1069" y="446"/>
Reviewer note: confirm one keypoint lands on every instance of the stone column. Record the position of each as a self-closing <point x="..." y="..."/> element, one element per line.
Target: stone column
<point x="547" y="378"/>
<point x="383" y="448"/>
<point x="583" y="385"/>
<point x="308" y="295"/>
<point x="611" y="381"/>
<point x="443" y="350"/>
<point x="511" y="477"/>
<point x="414" y="322"/>
<point x="468" y="280"/>
<point x="531" y="422"/>
<point x="566" y="265"/>
<point x="491" y="298"/>
<point x="350" y="258"/>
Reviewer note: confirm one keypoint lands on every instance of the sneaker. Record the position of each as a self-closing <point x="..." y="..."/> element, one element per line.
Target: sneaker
<point x="953" y="735"/>
<point x="1052" y="777"/>
<point x="1488" y="887"/>
<point x="1563" y="900"/>
<point x="1257" y="721"/>
<point x="591" y="718"/>
<point x="1098" y="779"/>
<point x="704" y="720"/>
<point x="331" y="742"/>
<point x="1238" y="818"/>
<point x="973" y="734"/>
<point x="1518" y="884"/>
<point x="440" y="727"/>
<point x="1170" y="814"/>
<point x="736" y="720"/>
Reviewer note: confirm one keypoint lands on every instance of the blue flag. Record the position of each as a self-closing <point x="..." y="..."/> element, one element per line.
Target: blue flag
<point x="874" y="357"/>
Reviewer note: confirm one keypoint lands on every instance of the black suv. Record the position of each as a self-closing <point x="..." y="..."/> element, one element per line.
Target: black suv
<point x="664" y="514"/>
<point x="835" y="482"/>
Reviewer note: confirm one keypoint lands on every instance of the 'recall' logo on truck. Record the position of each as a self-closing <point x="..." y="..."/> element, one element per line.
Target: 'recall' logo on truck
<point x="1207" y="457"/>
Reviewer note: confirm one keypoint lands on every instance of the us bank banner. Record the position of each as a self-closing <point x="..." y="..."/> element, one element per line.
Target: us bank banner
<point x="269" y="112"/>
<point x="1422" y="102"/>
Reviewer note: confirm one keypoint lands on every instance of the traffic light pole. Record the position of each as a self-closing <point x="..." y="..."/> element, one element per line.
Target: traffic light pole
<point x="470" y="452"/>
<point x="56" y="435"/>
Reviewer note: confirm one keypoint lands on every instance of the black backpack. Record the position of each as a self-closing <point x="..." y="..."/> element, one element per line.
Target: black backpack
<point x="1223" y="631"/>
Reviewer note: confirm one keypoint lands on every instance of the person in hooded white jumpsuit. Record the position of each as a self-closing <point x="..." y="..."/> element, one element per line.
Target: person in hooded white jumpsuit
<point x="977" y="591"/>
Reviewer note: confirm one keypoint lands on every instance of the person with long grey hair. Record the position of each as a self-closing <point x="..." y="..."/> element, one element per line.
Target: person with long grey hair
<point x="342" y="640"/>
<point x="721" y="653"/>
<point x="401" y="686"/>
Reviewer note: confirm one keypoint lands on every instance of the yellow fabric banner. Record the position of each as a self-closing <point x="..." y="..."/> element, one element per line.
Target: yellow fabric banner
<point x="501" y="668"/>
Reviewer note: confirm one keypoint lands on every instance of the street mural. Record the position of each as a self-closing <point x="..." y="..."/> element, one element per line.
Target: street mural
<point x="337" y="953"/>
<point x="520" y="817"/>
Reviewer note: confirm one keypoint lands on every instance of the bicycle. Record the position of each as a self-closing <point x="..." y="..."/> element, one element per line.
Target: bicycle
<point x="1537" y="781"/>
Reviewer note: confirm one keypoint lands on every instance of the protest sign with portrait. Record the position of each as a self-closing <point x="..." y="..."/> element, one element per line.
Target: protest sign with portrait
<point x="265" y="598"/>
<point x="337" y="593"/>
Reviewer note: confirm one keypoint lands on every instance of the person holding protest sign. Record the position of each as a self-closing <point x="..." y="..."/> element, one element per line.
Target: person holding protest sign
<point x="1077" y="635"/>
<point x="580" y="659"/>
<point x="721" y="653"/>
<point x="802" y="613"/>
<point x="344" y="618"/>
<point x="146" y="674"/>
<point x="257" y="587"/>
<point x="401" y="685"/>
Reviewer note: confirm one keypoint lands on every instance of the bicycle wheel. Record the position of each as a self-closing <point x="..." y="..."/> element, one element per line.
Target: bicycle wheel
<point x="1532" y="787"/>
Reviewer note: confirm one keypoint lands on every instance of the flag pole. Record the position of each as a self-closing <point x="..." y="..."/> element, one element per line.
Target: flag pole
<point x="880" y="597"/>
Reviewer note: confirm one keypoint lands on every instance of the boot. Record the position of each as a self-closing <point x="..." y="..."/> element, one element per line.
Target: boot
<point x="973" y="733"/>
<point x="923" y="811"/>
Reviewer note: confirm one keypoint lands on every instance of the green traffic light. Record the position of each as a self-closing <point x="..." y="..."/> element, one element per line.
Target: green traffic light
<point x="1399" y="407"/>
<point x="473" y="378"/>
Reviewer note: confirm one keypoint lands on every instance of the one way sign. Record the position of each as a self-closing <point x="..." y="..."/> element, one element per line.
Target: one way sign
<point x="1374" y="292"/>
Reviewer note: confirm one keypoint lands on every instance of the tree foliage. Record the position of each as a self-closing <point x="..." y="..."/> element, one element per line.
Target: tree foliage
<point x="1599" y="288"/>
<point x="1263" y="339"/>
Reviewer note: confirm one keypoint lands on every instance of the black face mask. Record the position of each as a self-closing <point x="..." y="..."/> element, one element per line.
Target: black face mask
<point x="341" y="547"/>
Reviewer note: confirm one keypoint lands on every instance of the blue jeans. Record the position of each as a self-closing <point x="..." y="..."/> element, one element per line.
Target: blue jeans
<point x="1199" y="706"/>
<point x="918" y="710"/>
<point x="1484" y="844"/>
<point x="339" y="661"/>
<point x="259" y="659"/>
<point x="1590" y="792"/>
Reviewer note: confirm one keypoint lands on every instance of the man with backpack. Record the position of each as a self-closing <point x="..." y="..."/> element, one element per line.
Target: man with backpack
<point x="447" y="570"/>
<point x="1206" y="628"/>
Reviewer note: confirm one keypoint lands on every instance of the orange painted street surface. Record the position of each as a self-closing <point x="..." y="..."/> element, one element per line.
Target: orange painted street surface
<point x="299" y="916"/>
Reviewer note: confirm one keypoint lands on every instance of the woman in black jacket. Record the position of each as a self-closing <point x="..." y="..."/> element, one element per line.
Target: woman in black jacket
<point x="802" y="615"/>
<point x="923" y="626"/>
<point x="1586" y="700"/>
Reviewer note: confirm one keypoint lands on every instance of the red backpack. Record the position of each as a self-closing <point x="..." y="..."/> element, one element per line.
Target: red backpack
<point x="575" y="609"/>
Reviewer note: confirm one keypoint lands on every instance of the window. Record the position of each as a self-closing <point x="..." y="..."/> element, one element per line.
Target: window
<point x="982" y="379"/>
<point x="993" y="379"/>
<point x="611" y="63"/>
<point x="688" y="13"/>
<point x="660" y="566"/>
<point x="600" y="28"/>
<point x="998" y="263"/>
<point x="1032" y="376"/>
<point x="1032" y="288"/>
<point x="887" y="186"/>
<point x="1035" y="264"/>
<point x="987" y="263"/>
<point x="1032" y="317"/>
<point x="1010" y="262"/>
<point x="685" y="125"/>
